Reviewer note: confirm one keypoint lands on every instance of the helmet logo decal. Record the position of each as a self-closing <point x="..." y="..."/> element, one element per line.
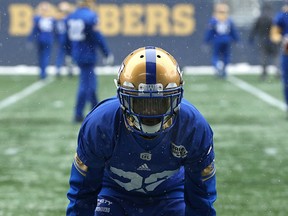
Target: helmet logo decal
<point x="150" y="53"/>
<point x="150" y="87"/>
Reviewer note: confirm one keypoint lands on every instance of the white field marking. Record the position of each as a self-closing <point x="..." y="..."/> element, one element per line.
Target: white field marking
<point x="239" y="68"/>
<point x="257" y="92"/>
<point x="24" y="93"/>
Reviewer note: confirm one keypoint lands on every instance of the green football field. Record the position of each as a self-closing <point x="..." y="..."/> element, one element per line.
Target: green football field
<point x="38" y="141"/>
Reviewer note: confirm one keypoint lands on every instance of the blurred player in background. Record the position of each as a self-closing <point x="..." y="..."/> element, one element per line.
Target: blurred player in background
<point x="64" y="48"/>
<point x="279" y="34"/>
<point x="147" y="152"/>
<point x="221" y="33"/>
<point x="43" y="35"/>
<point x="85" y="38"/>
<point x="261" y="32"/>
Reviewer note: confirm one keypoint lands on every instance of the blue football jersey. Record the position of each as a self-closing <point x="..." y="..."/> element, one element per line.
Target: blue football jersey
<point x="43" y="30"/>
<point x="84" y="37"/>
<point x="281" y="20"/>
<point x="61" y="30"/>
<point x="177" y="162"/>
<point x="221" y="31"/>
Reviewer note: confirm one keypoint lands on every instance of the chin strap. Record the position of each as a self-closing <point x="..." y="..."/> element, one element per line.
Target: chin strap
<point x="133" y="122"/>
<point x="151" y="129"/>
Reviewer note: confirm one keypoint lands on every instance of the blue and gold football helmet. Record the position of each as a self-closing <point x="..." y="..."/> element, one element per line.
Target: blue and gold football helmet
<point x="150" y="89"/>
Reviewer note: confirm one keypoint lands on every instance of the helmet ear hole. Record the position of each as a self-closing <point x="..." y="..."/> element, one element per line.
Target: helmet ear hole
<point x="142" y="56"/>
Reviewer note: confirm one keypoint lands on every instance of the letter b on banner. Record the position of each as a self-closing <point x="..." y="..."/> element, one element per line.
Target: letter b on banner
<point x="21" y="19"/>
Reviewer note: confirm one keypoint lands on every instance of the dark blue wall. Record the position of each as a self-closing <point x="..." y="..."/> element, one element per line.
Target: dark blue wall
<point x="187" y="48"/>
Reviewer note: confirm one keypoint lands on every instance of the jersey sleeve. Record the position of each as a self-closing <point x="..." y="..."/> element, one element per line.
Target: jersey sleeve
<point x="96" y="140"/>
<point x="200" y="180"/>
<point x="86" y="174"/>
<point x="97" y="37"/>
<point x="209" y="33"/>
<point x="34" y="34"/>
<point x="281" y="23"/>
<point x="101" y="42"/>
<point x="278" y="20"/>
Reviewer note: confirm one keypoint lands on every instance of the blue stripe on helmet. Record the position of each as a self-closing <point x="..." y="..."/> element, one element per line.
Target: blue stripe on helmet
<point x="150" y="65"/>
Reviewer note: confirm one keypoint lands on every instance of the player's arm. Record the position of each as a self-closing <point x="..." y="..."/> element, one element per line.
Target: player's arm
<point x="34" y="32"/>
<point x="101" y="43"/>
<point x="98" y="37"/>
<point x="85" y="180"/>
<point x="200" y="191"/>
<point x="209" y="33"/>
<point x="200" y="180"/>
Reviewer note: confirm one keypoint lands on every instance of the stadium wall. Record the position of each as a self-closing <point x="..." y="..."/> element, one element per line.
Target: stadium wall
<point x="177" y="26"/>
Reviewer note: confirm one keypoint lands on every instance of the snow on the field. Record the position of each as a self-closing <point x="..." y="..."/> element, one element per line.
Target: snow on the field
<point x="271" y="151"/>
<point x="11" y="151"/>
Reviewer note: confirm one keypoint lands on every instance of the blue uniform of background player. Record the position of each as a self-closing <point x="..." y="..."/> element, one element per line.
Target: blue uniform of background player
<point x="64" y="48"/>
<point x="221" y="33"/>
<point x="279" y="34"/>
<point x="43" y="34"/>
<point x="147" y="152"/>
<point x="85" y="39"/>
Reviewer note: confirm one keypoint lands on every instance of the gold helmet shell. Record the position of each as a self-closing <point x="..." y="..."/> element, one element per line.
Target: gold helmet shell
<point x="149" y="65"/>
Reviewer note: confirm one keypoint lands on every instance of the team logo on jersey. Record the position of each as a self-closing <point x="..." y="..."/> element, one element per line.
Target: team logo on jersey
<point x="146" y="156"/>
<point x="103" y="202"/>
<point x="144" y="167"/>
<point x="178" y="151"/>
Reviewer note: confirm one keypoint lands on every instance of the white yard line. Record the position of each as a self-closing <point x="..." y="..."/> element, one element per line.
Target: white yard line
<point x="24" y="93"/>
<point x="258" y="93"/>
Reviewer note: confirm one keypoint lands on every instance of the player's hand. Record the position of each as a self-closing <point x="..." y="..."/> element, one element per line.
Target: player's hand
<point x="109" y="60"/>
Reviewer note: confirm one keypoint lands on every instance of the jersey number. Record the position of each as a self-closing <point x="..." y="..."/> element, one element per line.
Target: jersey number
<point x="140" y="184"/>
<point x="76" y="30"/>
<point x="46" y="24"/>
<point x="222" y="28"/>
